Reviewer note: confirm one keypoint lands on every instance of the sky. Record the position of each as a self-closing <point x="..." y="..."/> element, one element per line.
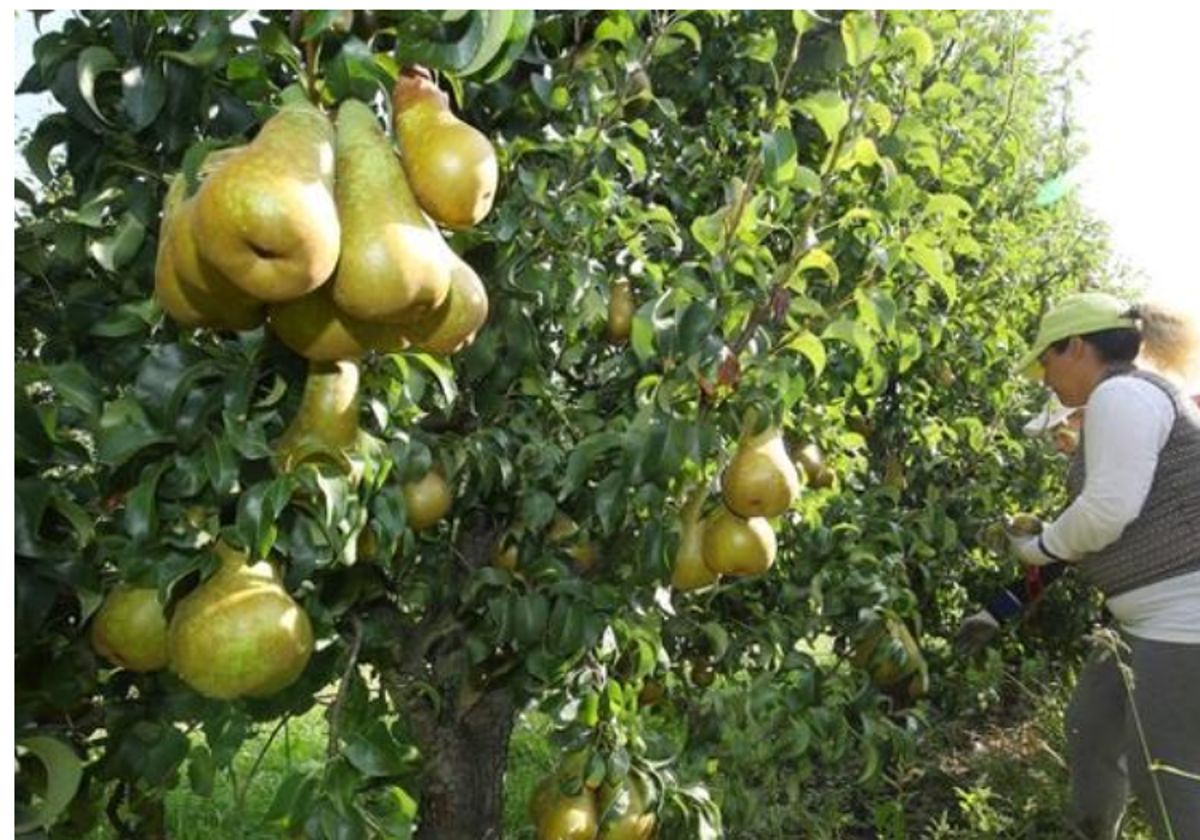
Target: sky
<point x="1140" y="176"/>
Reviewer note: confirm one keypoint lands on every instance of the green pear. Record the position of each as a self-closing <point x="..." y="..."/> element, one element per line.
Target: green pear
<point x="266" y="219"/>
<point x="761" y="480"/>
<point x="316" y="329"/>
<point x="450" y="164"/>
<point x="204" y="286"/>
<point x="736" y="546"/>
<point x="167" y="290"/>
<point x="130" y="629"/>
<point x="689" y="571"/>
<point x="239" y="634"/>
<point x="816" y="472"/>
<point x="620" y="311"/>
<point x="427" y="500"/>
<point x="895" y="661"/>
<point x="453" y="325"/>
<point x="623" y="812"/>
<point x="395" y="266"/>
<point x="569" y="818"/>
<point x="326" y="426"/>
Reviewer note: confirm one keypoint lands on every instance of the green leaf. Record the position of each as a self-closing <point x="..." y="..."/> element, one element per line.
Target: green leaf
<point x="141" y="518"/>
<point x="922" y="250"/>
<point x="808" y="180"/>
<point x="123" y="431"/>
<point x="63" y="773"/>
<point x="853" y="333"/>
<point x="118" y="250"/>
<point x="860" y="34"/>
<point x="537" y="509"/>
<point x="830" y="111"/>
<point x="616" y="27"/>
<point x="812" y="348"/>
<point x="92" y="62"/>
<point x="496" y="26"/>
<point x="75" y="386"/>
<point x="686" y="29"/>
<point x="50" y="133"/>
<point x="202" y="771"/>
<point x="518" y="39"/>
<point x="816" y="260"/>
<point x="802" y="21"/>
<point x="763" y="46"/>
<point x="205" y="53"/>
<point x="709" y="231"/>
<point x="144" y="94"/>
<point x="917" y="41"/>
<point x="779" y="156"/>
<point x="374" y="753"/>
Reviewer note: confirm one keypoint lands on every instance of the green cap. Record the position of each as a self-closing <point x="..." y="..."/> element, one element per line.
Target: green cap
<point x="1080" y="314"/>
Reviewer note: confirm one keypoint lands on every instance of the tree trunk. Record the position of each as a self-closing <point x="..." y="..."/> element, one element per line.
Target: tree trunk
<point x="462" y="792"/>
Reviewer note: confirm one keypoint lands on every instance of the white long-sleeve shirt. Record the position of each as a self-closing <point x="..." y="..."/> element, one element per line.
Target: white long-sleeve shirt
<point x="1126" y="425"/>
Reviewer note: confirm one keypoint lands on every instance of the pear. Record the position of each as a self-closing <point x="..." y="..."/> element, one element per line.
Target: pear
<point x="326" y="425"/>
<point x="689" y="571"/>
<point x="316" y="329"/>
<point x="453" y="325"/>
<point x="450" y="165"/>
<point x="569" y="818"/>
<point x="130" y="629"/>
<point x="239" y="634"/>
<point x="812" y="462"/>
<point x="395" y="266"/>
<point x="427" y="500"/>
<point x="736" y="546"/>
<point x="266" y="219"/>
<point x="204" y="286"/>
<point x="761" y="480"/>
<point x="620" y="311"/>
<point x="897" y="661"/>
<point x="167" y="289"/>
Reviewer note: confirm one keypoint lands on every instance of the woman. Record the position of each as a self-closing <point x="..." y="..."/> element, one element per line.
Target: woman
<point x="1133" y="530"/>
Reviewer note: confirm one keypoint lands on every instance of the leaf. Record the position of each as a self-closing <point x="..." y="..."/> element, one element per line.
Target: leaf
<point x="808" y="180"/>
<point x="830" y="111"/>
<point x="819" y="260"/>
<point x="63" y="771"/>
<point x="202" y="771"/>
<point x="118" y="250"/>
<point x="860" y="34"/>
<point x="258" y="512"/>
<point x="948" y="204"/>
<point x="205" y="53"/>
<point x="75" y="386"/>
<point x="852" y="333"/>
<point x="144" y="94"/>
<point x="779" y="156"/>
<point x="917" y="41"/>
<point x="518" y="39"/>
<point x="802" y="21"/>
<point x="763" y="46"/>
<point x="50" y="133"/>
<point x="141" y="518"/>
<point x="686" y="29"/>
<point x="616" y="27"/>
<point x="920" y="248"/>
<point x="812" y="348"/>
<point x="123" y="431"/>
<point x="709" y="231"/>
<point x="92" y="62"/>
<point x="497" y="24"/>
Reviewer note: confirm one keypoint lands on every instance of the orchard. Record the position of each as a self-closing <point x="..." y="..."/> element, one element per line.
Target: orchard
<point x="650" y="372"/>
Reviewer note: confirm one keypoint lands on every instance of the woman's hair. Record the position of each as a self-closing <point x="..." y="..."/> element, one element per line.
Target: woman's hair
<point x="1167" y="339"/>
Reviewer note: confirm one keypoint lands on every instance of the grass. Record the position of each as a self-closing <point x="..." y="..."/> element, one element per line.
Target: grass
<point x="994" y="774"/>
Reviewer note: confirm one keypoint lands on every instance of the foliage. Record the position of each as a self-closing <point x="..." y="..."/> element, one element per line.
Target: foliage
<point x="830" y="220"/>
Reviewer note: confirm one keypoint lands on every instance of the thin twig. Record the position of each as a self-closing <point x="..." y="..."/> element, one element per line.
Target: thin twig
<point x="335" y="711"/>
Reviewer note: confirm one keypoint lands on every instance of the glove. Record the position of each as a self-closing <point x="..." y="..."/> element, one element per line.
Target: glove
<point x="975" y="633"/>
<point x="1030" y="550"/>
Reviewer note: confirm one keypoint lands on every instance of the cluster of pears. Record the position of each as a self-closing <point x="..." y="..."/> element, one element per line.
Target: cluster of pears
<point x="760" y="482"/>
<point x="325" y="233"/>
<point x="572" y="804"/>
<point x="238" y="634"/>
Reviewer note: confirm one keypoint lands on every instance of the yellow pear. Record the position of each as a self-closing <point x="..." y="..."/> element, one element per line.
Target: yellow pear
<point x="736" y="546"/>
<point x="130" y="629"/>
<point x="816" y="472"/>
<point x="395" y="267"/>
<point x="569" y="818"/>
<point x="453" y="325"/>
<point x="167" y="289"/>
<point x="315" y="328"/>
<point x="620" y="311"/>
<point x="204" y="286"/>
<point x="266" y="219"/>
<point x="427" y="500"/>
<point x="239" y="634"/>
<point x="893" y="663"/>
<point x="326" y="425"/>
<point x="450" y="164"/>
<point x="761" y="480"/>
<point x="689" y="571"/>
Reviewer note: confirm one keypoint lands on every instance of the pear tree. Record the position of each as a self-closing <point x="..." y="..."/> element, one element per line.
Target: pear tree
<point x="443" y="368"/>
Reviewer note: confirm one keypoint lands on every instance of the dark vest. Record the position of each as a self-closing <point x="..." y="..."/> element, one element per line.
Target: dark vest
<point x="1164" y="540"/>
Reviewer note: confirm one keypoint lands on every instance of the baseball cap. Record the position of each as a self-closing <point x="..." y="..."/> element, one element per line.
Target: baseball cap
<point x="1079" y="314"/>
